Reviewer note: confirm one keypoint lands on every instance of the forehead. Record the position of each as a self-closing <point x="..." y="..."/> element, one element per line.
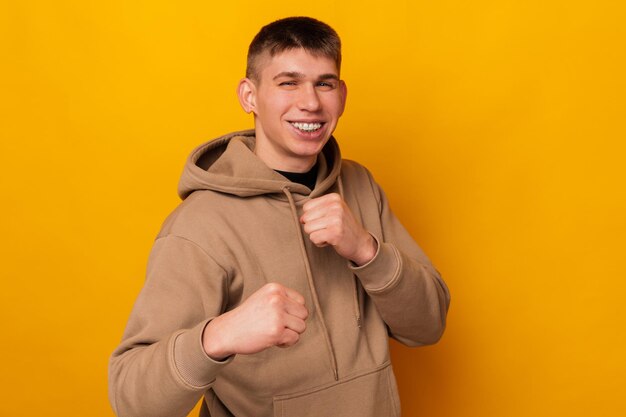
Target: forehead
<point x="295" y="60"/>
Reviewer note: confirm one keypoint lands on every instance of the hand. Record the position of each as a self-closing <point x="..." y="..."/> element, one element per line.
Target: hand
<point x="272" y="316"/>
<point x="328" y="221"/>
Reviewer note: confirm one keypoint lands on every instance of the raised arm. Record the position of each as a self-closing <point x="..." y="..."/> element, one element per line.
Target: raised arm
<point x="407" y="290"/>
<point x="180" y="336"/>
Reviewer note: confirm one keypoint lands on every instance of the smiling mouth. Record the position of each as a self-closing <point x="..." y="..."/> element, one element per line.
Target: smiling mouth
<point x="307" y="127"/>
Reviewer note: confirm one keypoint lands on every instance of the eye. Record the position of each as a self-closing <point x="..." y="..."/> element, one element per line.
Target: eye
<point x="287" y="83"/>
<point x="326" y="85"/>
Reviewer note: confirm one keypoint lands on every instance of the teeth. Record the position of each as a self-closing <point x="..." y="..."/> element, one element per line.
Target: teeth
<point x="307" y="127"/>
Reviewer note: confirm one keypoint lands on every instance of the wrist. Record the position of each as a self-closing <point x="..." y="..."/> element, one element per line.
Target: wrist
<point x="367" y="251"/>
<point x="212" y="344"/>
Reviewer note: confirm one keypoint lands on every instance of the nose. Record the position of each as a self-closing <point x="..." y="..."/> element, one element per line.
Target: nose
<point x="308" y="99"/>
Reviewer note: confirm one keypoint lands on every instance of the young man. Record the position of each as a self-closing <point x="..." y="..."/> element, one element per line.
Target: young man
<point x="272" y="289"/>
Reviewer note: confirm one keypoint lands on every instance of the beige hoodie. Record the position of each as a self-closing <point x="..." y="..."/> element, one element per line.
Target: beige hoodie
<point x="236" y="230"/>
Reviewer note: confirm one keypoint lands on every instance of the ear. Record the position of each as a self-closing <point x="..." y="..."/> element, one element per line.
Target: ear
<point x="343" y="90"/>
<point x="246" y="91"/>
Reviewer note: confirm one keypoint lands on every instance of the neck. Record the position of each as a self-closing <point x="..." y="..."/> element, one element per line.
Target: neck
<point x="296" y="167"/>
<point x="281" y="163"/>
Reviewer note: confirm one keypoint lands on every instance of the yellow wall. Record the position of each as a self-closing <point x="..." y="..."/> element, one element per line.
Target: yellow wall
<point x="496" y="127"/>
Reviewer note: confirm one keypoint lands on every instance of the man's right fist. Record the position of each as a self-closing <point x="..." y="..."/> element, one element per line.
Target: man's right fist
<point x="273" y="316"/>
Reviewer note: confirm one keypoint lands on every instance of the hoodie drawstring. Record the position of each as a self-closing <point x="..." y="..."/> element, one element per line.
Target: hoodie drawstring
<point x="355" y="284"/>
<point x="309" y="275"/>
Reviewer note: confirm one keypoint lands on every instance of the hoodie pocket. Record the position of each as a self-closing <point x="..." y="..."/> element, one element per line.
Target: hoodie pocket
<point x="368" y="394"/>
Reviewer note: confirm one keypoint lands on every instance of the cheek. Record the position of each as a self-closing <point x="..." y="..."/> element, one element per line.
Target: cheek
<point x="333" y="101"/>
<point x="334" y="106"/>
<point x="274" y="106"/>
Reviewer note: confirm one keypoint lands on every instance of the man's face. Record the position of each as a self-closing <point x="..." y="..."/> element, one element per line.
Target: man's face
<point x="297" y="102"/>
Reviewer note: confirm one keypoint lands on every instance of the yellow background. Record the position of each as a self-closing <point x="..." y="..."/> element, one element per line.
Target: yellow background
<point x="496" y="128"/>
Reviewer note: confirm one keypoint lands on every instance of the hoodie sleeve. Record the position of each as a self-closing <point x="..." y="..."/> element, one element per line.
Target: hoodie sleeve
<point x="407" y="290"/>
<point x="160" y="367"/>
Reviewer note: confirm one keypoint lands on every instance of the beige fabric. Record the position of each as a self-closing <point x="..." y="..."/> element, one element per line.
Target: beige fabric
<point x="233" y="233"/>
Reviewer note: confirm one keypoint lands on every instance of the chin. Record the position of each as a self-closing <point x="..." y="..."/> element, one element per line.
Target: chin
<point x="309" y="149"/>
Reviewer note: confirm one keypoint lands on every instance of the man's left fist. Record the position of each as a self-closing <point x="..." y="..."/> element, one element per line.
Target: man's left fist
<point x="329" y="221"/>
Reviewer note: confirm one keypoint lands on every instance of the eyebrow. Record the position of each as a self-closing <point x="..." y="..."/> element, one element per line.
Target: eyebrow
<point x="329" y="77"/>
<point x="295" y="74"/>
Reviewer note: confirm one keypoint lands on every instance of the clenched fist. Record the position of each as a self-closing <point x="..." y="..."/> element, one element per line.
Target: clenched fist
<point x="329" y="221"/>
<point x="272" y="316"/>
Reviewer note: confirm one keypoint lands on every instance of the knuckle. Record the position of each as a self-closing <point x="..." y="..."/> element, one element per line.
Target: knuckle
<point x="274" y="300"/>
<point x="273" y="288"/>
<point x="320" y="243"/>
<point x="276" y="329"/>
<point x="292" y="338"/>
<point x="337" y="211"/>
<point x="314" y="237"/>
<point x="336" y="221"/>
<point x="334" y="229"/>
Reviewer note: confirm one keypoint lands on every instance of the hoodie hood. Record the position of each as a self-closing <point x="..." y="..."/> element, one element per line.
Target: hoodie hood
<point x="229" y="165"/>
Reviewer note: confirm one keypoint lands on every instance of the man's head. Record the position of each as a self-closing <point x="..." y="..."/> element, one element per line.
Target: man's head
<point x="294" y="90"/>
<point x="315" y="37"/>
